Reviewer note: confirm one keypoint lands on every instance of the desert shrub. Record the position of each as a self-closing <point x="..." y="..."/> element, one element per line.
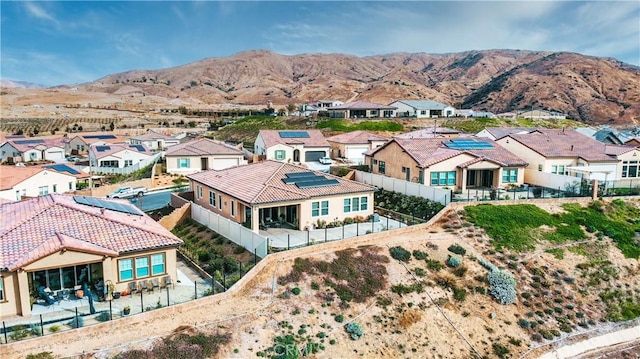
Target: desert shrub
<point x="418" y="254"/>
<point x="339" y="318"/>
<point x="41" y="355"/>
<point x="500" y="350"/>
<point x="434" y="265"/>
<point x="419" y="272"/>
<point x="460" y="271"/>
<point x="457" y="249"/>
<point x="296" y="291"/>
<point x="524" y="323"/>
<point x="19" y="332"/>
<point x="459" y="294"/>
<point x="502" y="286"/>
<point x="406" y="289"/>
<point x="488" y="265"/>
<point x="399" y="253"/>
<point x="454" y="262"/>
<point x="77" y="322"/>
<point x="355" y="330"/>
<point x="54" y="328"/>
<point x="36" y="329"/>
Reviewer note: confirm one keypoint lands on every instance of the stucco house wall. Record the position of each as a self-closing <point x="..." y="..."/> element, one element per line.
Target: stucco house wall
<point x="31" y="187"/>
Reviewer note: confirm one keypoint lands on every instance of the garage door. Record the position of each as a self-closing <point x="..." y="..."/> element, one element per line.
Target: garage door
<point x="313" y="156"/>
<point x="356" y="155"/>
<point x="224" y="163"/>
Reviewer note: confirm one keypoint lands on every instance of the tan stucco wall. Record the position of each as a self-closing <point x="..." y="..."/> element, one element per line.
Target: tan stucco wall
<point x="12" y="304"/>
<point x="171" y="221"/>
<point x="104" y="190"/>
<point x="528" y="155"/>
<point x="395" y="159"/>
<point x="45" y="178"/>
<point x="216" y="162"/>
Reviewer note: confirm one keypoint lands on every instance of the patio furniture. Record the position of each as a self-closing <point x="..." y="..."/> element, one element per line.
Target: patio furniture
<point x="133" y="287"/>
<point x="155" y="283"/>
<point x="150" y="286"/>
<point x="143" y="285"/>
<point x="166" y="281"/>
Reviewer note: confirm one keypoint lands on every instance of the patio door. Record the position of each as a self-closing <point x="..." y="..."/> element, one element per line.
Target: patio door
<point x="291" y="214"/>
<point x="204" y="163"/>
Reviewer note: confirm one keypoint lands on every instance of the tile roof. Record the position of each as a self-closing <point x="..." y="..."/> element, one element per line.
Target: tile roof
<point x="552" y="143"/>
<point x="25" y="144"/>
<point x="430" y="151"/>
<point x="424" y="104"/>
<point x="428" y="132"/>
<point x="13" y="175"/>
<point x="93" y="137"/>
<point x="37" y="227"/>
<point x="202" y="146"/>
<point x="499" y="132"/>
<point x="362" y="105"/>
<point x="356" y="137"/>
<point x="110" y="149"/>
<point x="272" y="138"/>
<point x="261" y="182"/>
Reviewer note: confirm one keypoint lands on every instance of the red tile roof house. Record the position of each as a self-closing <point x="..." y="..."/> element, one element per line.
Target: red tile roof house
<point x="362" y="109"/>
<point x="201" y="155"/>
<point x="49" y="240"/>
<point x="457" y="164"/>
<point x="296" y="146"/>
<point x="273" y="191"/>
<point x="34" y="149"/>
<point x="430" y="132"/>
<point x="351" y="146"/>
<point x="80" y="143"/>
<point x="568" y="152"/>
<point x="154" y="141"/>
<point x="104" y="157"/>
<point x="17" y="182"/>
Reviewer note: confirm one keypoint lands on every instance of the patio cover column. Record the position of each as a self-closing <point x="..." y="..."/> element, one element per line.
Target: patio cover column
<point x="24" y="307"/>
<point x="463" y="185"/>
<point x="255" y="219"/>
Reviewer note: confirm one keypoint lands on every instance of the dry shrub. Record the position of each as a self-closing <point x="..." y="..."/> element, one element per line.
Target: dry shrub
<point x="410" y="317"/>
<point x="446" y="280"/>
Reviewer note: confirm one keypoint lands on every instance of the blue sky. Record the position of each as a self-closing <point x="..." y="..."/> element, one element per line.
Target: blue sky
<point x="53" y="43"/>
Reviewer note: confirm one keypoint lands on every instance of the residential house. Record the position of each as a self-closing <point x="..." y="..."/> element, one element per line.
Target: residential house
<point x="155" y="141"/>
<point x="201" y="155"/>
<point x="308" y="110"/>
<point x="298" y="146"/>
<point x="17" y="182"/>
<point x="60" y="241"/>
<point x="457" y="163"/>
<point x="361" y="109"/>
<point x="422" y="109"/>
<point x="271" y="191"/>
<point x="80" y="144"/>
<point x="568" y="152"/>
<point x="33" y="149"/>
<point x="118" y="156"/>
<point x="542" y="115"/>
<point x="324" y="105"/>
<point x="352" y="145"/>
<point x="430" y="132"/>
<point x="496" y="133"/>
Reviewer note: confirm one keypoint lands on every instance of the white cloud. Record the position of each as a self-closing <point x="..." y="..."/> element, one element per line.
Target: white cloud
<point x="37" y="11"/>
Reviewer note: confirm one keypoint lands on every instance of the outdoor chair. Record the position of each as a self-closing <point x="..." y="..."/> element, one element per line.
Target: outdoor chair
<point x="143" y="285"/>
<point x="133" y="287"/>
<point x="155" y="283"/>
<point x="150" y="286"/>
<point x="166" y="281"/>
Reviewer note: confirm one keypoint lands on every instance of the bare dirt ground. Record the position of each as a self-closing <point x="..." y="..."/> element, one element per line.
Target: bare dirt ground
<point x="421" y="324"/>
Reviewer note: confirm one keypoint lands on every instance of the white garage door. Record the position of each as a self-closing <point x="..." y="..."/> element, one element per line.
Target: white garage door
<point x="355" y="154"/>
<point x="223" y="163"/>
<point x="56" y="156"/>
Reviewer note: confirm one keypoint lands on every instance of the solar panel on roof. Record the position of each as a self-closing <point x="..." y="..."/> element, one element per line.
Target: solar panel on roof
<point x="101" y="203"/>
<point x="100" y="137"/>
<point x="468" y="144"/>
<point x="63" y="168"/>
<point x="138" y="147"/>
<point x="103" y="148"/>
<point x="308" y="180"/>
<point x="27" y="142"/>
<point x="312" y="184"/>
<point x="300" y="174"/>
<point x="293" y="134"/>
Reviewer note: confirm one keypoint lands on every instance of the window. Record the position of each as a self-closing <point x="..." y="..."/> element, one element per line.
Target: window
<point x="199" y="191"/>
<point x="557" y="169"/>
<point x="324" y="208"/>
<point x="630" y="169"/>
<point x="421" y="177"/>
<point x="509" y="175"/>
<point x="125" y="268"/>
<point x="212" y="199"/>
<point x="381" y="166"/>
<point x="157" y="264"/>
<point x="233" y="208"/>
<point x="375" y="162"/>
<point x="363" y="203"/>
<point x="44" y="190"/>
<point x="280" y="154"/>
<point x="2" y="290"/>
<point x="319" y="208"/>
<point x="443" y="178"/>
<point x="113" y="163"/>
<point x="128" y="163"/>
<point x="70" y="186"/>
<point x="220" y="202"/>
<point x="183" y="163"/>
<point x="347" y="205"/>
<point x="423" y="112"/>
<point x="355" y="204"/>
<point x="142" y="267"/>
<point x="404" y="169"/>
<point x="55" y="188"/>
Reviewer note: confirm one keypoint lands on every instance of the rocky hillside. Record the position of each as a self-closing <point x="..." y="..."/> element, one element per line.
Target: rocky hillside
<point x="594" y="90"/>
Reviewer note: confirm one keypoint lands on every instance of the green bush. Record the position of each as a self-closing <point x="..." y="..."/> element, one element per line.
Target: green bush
<point x="339" y="318"/>
<point x="457" y="249"/>
<point x="454" y="262"/>
<point x="420" y="255"/>
<point x="399" y="253"/>
<point x="41" y="355"/>
<point x="355" y="330"/>
<point x="459" y="294"/>
<point x="296" y="291"/>
<point x="103" y="317"/>
<point x="76" y="322"/>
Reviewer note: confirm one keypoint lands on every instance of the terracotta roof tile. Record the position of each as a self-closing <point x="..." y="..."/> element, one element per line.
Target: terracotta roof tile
<point x="36" y="227"/>
<point x="356" y="138"/>
<point x="203" y="146"/>
<point x="262" y="183"/>
<point x="272" y="138"/>
<point x="108" y="150"/>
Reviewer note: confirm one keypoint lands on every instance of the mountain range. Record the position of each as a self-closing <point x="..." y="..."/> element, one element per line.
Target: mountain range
<point x="590" y="89"/>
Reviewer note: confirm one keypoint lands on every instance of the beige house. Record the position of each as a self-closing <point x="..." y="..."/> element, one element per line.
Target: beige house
<point x="202" y="155"/>
<point x="80" y="144"/>
<point x="362" y="109"/>
<point x="60" y="241"/>
<point x="292" y="146"/>
<point x="273" y="192"/>
<point x="457" y="164"/>
<point x="155" y="141"/>
<point x="352" y="145"/>
<point x="33" y="149"/>
<point x="568" y="152"/>
<point x="17" y="182"/>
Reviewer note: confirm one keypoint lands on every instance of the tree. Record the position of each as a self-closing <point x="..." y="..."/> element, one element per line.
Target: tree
<point x="291" y="107"/>
<point x="112" y="126"/>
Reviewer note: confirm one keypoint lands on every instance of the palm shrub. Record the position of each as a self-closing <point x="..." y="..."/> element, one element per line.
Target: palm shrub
<point x="502" y="286"/>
